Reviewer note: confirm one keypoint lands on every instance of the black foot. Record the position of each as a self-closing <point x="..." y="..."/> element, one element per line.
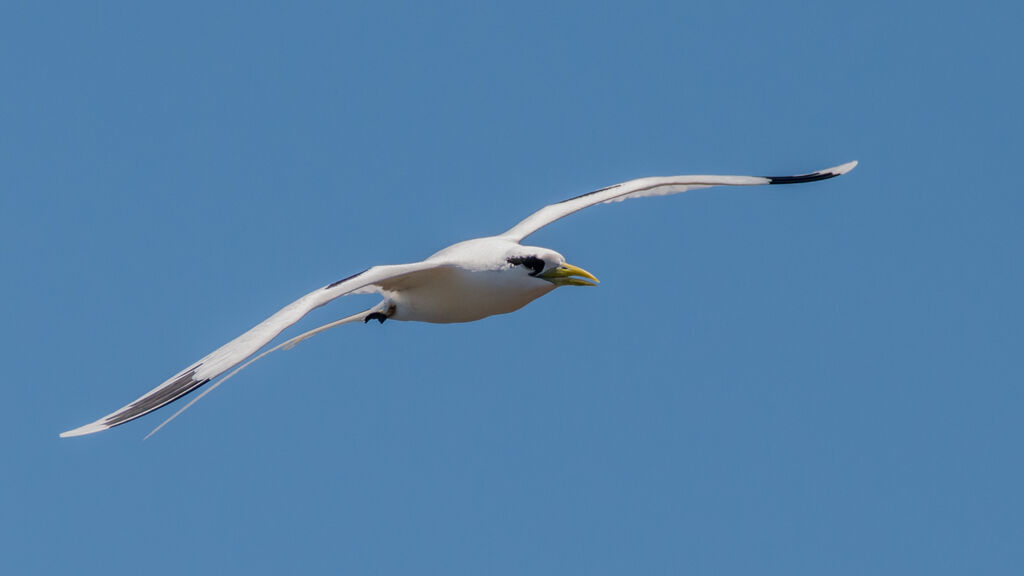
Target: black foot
<point x="375" y="316"/>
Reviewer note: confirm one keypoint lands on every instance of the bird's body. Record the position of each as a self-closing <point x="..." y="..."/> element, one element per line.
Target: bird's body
<point x="473" y="280"/>
<point x="464" y="282"/>
<point x="456" y="294"/>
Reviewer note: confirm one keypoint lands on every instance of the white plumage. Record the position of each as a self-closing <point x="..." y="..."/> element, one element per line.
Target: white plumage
<point x="461" y="283"/>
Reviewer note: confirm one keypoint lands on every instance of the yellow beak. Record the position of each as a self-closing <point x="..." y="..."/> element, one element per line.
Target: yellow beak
<point x="565" y="275"/>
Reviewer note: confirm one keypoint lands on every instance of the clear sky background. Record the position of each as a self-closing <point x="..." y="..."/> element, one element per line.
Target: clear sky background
<point x="817" y="379"/>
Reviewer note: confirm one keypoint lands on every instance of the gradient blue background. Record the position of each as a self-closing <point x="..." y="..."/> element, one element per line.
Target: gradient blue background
<point x="823" y="379"/>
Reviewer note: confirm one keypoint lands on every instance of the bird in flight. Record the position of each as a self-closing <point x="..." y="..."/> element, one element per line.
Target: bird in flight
<point x="464" y="282"/>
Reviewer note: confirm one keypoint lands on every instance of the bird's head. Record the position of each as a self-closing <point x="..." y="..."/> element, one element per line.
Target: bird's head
<point x="548" y="265"/>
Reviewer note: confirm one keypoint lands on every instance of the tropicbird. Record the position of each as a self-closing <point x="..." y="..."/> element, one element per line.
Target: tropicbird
<point x="464" y="282"/>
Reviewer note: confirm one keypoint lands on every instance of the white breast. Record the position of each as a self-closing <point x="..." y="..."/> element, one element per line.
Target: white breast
<point x="460" y="295"/>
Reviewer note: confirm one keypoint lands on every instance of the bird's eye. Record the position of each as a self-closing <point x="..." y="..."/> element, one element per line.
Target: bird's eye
<point x="536" y="265"/>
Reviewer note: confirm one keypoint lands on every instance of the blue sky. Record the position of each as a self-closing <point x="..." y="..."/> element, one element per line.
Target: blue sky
<point x="787" y="380"/>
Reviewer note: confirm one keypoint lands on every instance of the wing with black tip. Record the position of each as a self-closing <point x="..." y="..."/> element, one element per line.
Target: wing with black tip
<point x="376" y="279"/>
<point x="655" y="186"/>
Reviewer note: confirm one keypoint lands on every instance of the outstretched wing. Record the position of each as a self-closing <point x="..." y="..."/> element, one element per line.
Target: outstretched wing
<point x="655" y="186"/>
<point x="376" y="279"/>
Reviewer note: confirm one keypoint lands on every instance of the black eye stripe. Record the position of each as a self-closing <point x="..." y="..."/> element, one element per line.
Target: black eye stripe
<point x="531" y="262"/>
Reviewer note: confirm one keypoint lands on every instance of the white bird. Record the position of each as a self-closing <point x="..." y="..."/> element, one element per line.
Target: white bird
<point x="461" y="283"/>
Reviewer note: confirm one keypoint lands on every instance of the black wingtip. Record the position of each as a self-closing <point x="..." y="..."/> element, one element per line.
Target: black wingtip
<point x="800" y="178"/>
<point x="181" y="386"/>
<point x="813" y="176"/>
